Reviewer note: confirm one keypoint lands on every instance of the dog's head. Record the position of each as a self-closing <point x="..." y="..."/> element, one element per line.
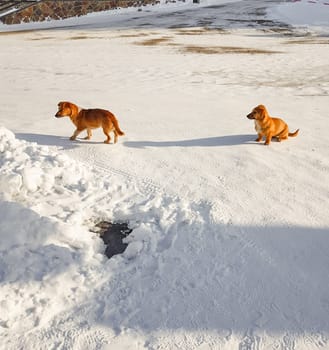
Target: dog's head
<point x="258" y="113"/>
<point x="65" y="109"/>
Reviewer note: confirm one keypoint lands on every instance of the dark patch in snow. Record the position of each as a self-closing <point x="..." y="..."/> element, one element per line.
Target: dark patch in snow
<point x="113" y="234"/>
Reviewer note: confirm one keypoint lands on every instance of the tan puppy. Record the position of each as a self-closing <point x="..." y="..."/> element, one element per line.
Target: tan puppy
<point x="89" y="119"/>
<point x="269" y="127"/>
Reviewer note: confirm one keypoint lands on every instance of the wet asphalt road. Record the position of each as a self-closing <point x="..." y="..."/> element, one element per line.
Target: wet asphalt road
<point x="241" y="14"/>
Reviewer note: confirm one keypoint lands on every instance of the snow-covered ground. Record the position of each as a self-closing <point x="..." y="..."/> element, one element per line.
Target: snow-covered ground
<point x="230" y="247"/>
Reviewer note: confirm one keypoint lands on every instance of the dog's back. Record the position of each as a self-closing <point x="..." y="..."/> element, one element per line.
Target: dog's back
<point x="94" y="118"/>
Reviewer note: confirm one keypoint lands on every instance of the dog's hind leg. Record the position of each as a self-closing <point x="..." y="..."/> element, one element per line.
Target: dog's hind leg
<point x="280" y="138"/>
<point x="88" y="137"/>
<point x="283" y="134"/>
<point x="107" y="134"/>
<point x="115" y="136"/>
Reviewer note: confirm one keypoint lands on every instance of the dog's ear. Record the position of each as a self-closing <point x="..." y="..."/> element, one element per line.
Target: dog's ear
<point x="261" y="111"/>
<point x="73" y="108"/>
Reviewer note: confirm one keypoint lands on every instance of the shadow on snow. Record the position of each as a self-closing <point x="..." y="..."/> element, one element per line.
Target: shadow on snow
<point x="217" y="141"/>
<point x="65" y="142"/>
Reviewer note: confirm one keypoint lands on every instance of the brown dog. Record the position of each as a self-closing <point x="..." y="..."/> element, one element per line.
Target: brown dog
<point x="269" y="127"/>
<point x="89" y="119"/>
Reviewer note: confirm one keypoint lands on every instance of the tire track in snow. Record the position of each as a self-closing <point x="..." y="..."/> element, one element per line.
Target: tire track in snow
<point x="91" y="157"/>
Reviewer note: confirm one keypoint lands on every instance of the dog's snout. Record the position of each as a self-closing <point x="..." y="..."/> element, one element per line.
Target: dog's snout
<point x="250" y="116"/>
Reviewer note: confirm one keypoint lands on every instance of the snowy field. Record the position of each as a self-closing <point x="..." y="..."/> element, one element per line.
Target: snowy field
<point x="230" y="241"/>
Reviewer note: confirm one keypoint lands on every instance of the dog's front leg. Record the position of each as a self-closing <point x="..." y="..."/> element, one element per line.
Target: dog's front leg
<point x="268" y="139"/>
<point x="76" y="133"/>
<point x="259" y="138"/>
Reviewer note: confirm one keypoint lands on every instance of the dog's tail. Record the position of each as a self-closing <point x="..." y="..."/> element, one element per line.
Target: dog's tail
<point x="116" y="125"/>
<point x="293" y="134"/>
